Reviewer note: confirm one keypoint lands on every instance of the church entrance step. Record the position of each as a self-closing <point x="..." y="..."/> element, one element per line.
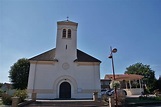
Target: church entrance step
<point x="65" y="103"/>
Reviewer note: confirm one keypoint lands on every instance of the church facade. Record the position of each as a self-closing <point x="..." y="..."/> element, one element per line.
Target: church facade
<point x="65" y="71"/>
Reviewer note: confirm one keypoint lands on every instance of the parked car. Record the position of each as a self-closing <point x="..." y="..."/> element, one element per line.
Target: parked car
<point x="103" y="92"/>
<point x="111" y="92"/>
<point x="107" y="92"/>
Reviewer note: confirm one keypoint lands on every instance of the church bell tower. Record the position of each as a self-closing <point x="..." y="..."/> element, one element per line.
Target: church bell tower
<point x="66" y="41"/>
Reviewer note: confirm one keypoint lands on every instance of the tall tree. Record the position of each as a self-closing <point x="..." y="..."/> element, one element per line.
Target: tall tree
<point x="144" y="70"/>
<point x="1" y="84"/>
<point x="19" y="73"/>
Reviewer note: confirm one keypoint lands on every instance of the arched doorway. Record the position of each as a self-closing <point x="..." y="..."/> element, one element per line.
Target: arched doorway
<point x="65" y="90"/>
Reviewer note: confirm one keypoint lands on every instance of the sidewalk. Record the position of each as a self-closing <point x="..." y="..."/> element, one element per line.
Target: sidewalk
<point x="137" y="96"/>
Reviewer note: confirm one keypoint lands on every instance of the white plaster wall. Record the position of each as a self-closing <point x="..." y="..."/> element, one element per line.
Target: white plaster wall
<point x="71" y="43"/>
<point x="86" y="77"/>
<point x="83" y="79"/>
<point x="31" y="76"/>
<point x="134" y="91"/>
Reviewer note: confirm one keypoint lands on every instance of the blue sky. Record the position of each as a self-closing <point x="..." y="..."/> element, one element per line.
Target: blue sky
<point x="28" y="28"/>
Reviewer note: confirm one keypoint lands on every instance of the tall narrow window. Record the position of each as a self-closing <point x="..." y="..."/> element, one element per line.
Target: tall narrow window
<point x="64" y="33"/>
<point x="66" y="47"/>
<point x="69" y="33"/>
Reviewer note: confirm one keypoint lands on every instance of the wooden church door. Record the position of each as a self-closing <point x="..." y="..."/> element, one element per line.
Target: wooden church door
<point x="65" y="90"/>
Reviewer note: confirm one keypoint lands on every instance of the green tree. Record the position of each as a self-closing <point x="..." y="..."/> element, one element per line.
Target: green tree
<point x="19" y="73"/>
<point x="144" y="70"/>
<point x="1" y="84"/>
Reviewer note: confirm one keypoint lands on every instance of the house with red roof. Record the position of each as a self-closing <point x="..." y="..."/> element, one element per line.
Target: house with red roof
<point x="131" y="83"/>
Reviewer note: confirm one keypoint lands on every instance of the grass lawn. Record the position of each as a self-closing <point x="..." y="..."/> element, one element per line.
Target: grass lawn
<point x="143" y="100"/>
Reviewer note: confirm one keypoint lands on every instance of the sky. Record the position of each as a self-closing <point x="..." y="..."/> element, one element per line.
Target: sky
<point x="29" y="27"/>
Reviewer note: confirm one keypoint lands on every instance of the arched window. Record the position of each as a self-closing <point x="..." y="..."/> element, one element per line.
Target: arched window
<point x="64" y="33"/>
<point x="69" y="33"/>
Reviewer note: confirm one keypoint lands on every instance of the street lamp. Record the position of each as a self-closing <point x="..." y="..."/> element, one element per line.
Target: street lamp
<point x="114" y="50"/>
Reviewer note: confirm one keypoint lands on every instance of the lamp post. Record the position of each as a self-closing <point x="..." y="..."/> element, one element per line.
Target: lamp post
<point x="114" y="50"/>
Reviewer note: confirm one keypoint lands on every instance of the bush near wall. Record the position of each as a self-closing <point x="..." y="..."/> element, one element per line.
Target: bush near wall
<point x="1" y="92"/>
<point x="7" y="99"/>
<point x="22" y="94"/>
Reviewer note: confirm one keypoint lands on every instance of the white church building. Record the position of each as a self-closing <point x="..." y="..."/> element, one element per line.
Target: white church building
<point x="65" y="71"/>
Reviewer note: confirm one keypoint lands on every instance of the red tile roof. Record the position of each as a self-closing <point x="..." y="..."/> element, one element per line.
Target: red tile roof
<point x="121" y="77"/>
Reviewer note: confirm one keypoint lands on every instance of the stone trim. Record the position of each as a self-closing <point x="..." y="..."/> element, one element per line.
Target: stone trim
<point x="87" y="63"/>
<point x="42" y="62"/>
<point x="67" y="23"/>
<point x="89" y="90"/>
<point x="40" y="91"/>
<point x="47" y="91"/>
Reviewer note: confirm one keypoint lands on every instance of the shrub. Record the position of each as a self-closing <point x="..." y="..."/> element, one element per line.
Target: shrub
<point x="114" y="84"/>
<point x="7" y="100"/>
<point x="158" y="98"/>
<point x="1" y="92"/>
<point x="105" y="99"/>
<point x="22" y="94"/>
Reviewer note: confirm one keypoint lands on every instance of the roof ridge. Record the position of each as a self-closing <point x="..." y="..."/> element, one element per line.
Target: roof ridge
<point x="50" y="54"/>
